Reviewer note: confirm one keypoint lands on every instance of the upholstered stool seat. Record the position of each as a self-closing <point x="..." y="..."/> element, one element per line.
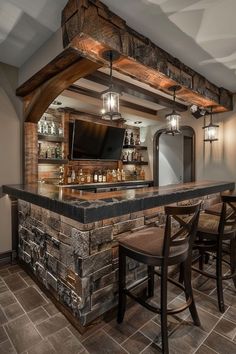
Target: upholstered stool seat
<point x="150" y="241"/>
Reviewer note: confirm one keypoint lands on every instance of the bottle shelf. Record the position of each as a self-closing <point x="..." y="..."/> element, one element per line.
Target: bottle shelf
<point x="53" y="161"/>
<point x="51" y="138"/>
<point x="140" y="163"/>
<point x="138" y="147"/>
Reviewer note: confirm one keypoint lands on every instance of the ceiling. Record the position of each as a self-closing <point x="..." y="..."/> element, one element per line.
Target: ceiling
<point x="25" y="25"/>
<point x="201" y="33"/>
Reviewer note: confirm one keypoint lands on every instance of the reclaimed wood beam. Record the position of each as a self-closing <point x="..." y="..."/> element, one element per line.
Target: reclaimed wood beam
<point x="37" y="102"/>
<point x="91" y="28"/>
<point x="136" y="91"/>
<point x="94" y="94"/>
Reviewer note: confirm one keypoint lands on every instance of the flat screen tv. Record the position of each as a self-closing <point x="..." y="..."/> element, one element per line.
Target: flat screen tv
<point x="93" y="141"/>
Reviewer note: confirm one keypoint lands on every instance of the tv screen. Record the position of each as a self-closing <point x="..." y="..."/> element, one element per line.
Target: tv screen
<point x="93" y="141"/>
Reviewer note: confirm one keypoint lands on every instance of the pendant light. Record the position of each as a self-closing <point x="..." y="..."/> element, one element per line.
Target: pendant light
<point x="211" y="130"/>
<point x="111" y="97"/>
<point x="173" y="118"/>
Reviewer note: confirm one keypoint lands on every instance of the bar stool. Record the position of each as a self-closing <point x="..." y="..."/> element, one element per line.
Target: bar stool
<point x="216" y="235"/>
<point x="161" y="247"/>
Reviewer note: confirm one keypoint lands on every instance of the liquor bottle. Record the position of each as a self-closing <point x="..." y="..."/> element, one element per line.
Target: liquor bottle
<point x="73" y="176"/>
<point x="137" y="140"/>
<point x="131" y="138"/>
<point x="99" y="176"/>
<point x="104" y="177"/>
<point x="142" y="174"/>
<point x="129" y="156"/>
<point x="58" y="154"/>
<point x="135" y="174"/>
<point x="88" y="177"/>
<point x="125" y="156"/>
<point x="109" y="176"/>
<point x="60" y="129"/>
<point x="114" y="176"/>
<point x="68" y="176"/>
<point x="45" y="126"/>
<point x="126" y="140"/>
<point x="48" y="153"/>
<point x="95" y="177"/>
<point x="118" y="175"/>
<point x="81" y="177"/>
<point x="123" y="177"/>
<point x="49" y="128"/>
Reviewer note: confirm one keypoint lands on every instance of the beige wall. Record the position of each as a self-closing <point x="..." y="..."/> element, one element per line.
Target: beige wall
<point x="10" y="146"/>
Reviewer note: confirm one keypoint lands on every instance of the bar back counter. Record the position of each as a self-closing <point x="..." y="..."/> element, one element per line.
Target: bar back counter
<point x="68" y="238"/>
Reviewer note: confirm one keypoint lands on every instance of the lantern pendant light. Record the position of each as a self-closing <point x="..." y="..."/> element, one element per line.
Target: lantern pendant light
<point x="211" y="130"/>
<point x="173" y="118"/>
<point x="111" y="97"/>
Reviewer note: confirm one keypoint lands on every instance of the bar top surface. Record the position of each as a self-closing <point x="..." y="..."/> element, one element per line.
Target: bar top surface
<point x="87" y="207"/>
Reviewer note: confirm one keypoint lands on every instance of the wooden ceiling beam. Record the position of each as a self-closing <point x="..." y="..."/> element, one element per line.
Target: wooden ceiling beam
<point x="91" y="28"/>
<point x="94" y="94"/>
<point x="136" y="91"/>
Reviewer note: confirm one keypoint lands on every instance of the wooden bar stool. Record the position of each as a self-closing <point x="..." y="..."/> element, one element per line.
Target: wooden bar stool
<point x="161" y="247"/>
<point x="216" y="235"/>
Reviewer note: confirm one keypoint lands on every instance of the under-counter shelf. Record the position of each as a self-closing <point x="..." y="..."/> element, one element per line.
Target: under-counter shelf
<point x="135" y="162"/>
<point x="53" y="161"/>
<point x="52" y="138"/>
<point x="138" y="147"/>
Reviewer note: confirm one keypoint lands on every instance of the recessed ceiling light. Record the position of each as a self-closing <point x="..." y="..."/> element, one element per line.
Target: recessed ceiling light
<point x="138" y="122"/>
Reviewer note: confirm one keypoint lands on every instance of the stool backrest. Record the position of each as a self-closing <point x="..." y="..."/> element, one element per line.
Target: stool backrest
<point x="227" y="222"/>
<point x="181" y="226"/>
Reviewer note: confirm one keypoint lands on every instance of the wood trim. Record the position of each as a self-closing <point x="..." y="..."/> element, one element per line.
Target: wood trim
<point x="136" y="91"/>
<point x="91" y="28"/>
<point x="123" y="103"/>
<point x="43" y="96"/>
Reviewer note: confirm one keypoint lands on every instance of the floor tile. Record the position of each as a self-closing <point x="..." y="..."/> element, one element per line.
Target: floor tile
<point x="15" y="282"/>
<point x="3" y="335"/>
<point x="205" y="350"/>
<point x="230" y="314"/>
<point x="226" y="328"/>
<point x="3" y="318"/>
<point x="52" y="325"/>
<point x="51" y="309"/>
<point x="152" y="349"/>
<point x="30" y="298"/>
<point x="220" y="344"/>
<point x="13" y="311"/>
<point x="102" y="343"/>
<point x="38" y="315"/>
<point x="4" y="273"/>
<point x="22" y="333"/>
<point x="3" y="288"/>
<point x="135" y="317"/>
<point x="65" y="342"/>
<point x="43" y="347"/>
<point x="136" y="343"/>
<point x="14" y="268"/>
<point x="7" y="298"/>
<point x="7" y="348"/>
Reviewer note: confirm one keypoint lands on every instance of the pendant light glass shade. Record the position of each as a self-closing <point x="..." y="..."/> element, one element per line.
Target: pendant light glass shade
<point x="211" y="131"/>
<point x="111" y="97"/>
<point x="173" y="118"/>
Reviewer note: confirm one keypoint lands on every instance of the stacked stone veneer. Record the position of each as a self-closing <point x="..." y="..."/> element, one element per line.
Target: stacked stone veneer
<point x="78" y="263"/>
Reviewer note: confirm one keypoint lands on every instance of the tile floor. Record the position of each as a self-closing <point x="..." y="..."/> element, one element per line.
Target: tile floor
<point x="31" y="324"/>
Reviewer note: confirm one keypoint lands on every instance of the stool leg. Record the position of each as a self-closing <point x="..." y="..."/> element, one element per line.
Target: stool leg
<point x="122" y="295"/>
<point x="150" y="281"/>
<point x="181" y="273"/>
<point x="164" y="322"/>
<point x="233" y="259"/>
<point x="219" y="279"/>
<point x="189" y="292"/>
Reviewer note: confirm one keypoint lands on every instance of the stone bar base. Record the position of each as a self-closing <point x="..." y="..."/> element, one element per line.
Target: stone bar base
<point x="78" y="263"/>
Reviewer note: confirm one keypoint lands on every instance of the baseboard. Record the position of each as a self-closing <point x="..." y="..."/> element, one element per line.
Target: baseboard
<point x="8" y="257"/>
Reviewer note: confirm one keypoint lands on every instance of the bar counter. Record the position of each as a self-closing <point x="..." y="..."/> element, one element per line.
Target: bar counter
<point x="85" y="206"/>
<point x="68" y="238"/>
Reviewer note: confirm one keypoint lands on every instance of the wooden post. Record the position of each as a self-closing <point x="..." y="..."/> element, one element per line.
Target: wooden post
<point x="30" y="153"/>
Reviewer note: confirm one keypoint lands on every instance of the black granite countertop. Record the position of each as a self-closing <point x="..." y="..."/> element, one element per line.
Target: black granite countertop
<point x="88" y="207"/>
